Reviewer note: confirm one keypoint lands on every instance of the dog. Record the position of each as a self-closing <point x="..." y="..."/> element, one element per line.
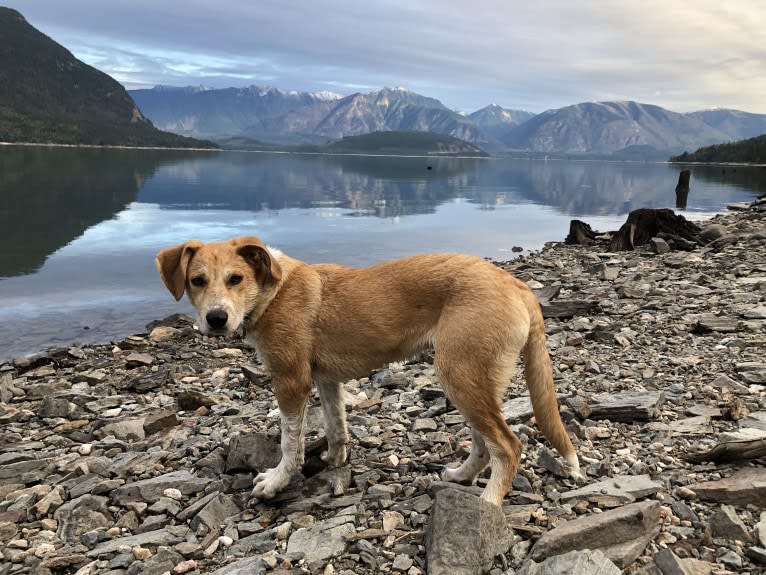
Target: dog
<point x="324" y="324"/>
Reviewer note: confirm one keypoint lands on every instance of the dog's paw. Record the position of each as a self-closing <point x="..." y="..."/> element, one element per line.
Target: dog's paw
<point x="267" y="484"/>
<point x="455" y="475"/>
<point x="335" y="458"/>
<point x="572" y="466"/>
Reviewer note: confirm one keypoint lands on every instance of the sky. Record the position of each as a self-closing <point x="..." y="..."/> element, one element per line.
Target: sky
<point x="683" y="55"/>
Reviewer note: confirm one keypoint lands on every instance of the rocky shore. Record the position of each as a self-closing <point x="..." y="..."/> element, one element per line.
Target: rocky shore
<point x="138" y="457"/>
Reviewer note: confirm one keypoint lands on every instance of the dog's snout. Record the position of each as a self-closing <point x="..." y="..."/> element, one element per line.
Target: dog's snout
<point x="217" y="318"/>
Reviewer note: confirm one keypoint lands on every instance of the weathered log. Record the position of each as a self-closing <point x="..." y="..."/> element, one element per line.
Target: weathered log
<point x="682" y="189"/>
<point x="728" y="451"/>
<point x="567" y="308"/>
<point x="580" y="234"/>
<point x="645" y="223"/>
<point x="627" y="406"/>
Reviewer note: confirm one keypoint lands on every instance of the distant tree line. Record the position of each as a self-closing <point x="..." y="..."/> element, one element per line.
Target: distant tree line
<point x="751" y="151"/>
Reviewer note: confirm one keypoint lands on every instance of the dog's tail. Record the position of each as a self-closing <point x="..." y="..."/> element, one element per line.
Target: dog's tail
<point x="539" y="375"/>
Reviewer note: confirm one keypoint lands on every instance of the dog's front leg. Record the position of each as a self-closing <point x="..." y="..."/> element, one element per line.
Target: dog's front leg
<point x="292" y="401"/>
<point x="334" y="411"/>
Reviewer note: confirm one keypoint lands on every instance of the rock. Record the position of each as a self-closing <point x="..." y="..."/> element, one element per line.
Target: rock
<point x="621" y="489"/>
<point x="756" y="420"/>
<point x="670" y="564"/>
<point x="464" y="534"/>
<point x="78" y="516"/>
<point x="586" y="562"/>
<point x="323" y="540"/>
<point x="708" y="323"/>
<point x="746" y="486"/>
<point x="760" y="530"/>
<point x="253" y="452"/>
<point x="725" y="524"/>
<point x="159" y="420"/>
<point x="752" y="371"/>
<point x="248" y="566"/>
<point x="659" y="246"/>
<point x="756" y="554"/>
<point x="621" y="533"/>
<point x="152" y="489"/>
<point x="191" y="400"/>
<point x="215" y="513"/>
<point x="134" y="360"/>
<point x="125" y="430"/>
<point x="155" y="538"/>
<point x="163" y="333"/>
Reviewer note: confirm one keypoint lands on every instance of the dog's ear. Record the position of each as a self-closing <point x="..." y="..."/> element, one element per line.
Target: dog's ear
<point x="172" y="263"/>
<point x="267" y="269"/>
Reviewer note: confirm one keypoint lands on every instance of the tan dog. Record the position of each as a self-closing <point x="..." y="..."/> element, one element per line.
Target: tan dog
<point x="327" y="323"/>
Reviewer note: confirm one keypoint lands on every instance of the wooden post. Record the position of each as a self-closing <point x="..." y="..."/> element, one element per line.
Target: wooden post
<point x="682" y="189"/>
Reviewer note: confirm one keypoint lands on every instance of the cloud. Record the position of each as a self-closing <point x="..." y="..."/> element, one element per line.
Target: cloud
<point x="683" y="55"/>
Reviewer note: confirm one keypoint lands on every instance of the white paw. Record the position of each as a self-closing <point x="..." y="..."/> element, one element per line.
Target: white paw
<point x="454" y="475"/>
<point x="267" y="484"/>
<point x="573" y="468"/>
<point x="335" y="459"/>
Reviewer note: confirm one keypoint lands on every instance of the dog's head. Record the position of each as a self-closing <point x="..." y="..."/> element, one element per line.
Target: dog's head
<point x="222" y="279"/>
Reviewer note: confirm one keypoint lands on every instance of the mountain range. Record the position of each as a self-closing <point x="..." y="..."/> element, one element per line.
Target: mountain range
<point x="270" y="115"/>
<point x="48" y="95"/>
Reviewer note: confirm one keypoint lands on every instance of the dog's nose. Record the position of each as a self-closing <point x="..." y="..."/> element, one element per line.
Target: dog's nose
<point x="217" y="318"/>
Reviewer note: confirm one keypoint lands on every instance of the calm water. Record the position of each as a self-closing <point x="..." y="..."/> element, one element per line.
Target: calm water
<point x="79" y="228"/>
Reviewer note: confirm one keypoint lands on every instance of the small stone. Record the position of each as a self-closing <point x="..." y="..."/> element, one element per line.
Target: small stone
<point x="173" y="493"/>
<point x="141" y="553"/>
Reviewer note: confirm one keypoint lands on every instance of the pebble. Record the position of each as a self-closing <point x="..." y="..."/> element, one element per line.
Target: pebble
<point x="656" y="357"/>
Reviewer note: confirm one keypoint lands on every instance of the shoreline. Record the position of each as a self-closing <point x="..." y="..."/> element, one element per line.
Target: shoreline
<point x="141" y="453"/>
<point x="34" y="355"/>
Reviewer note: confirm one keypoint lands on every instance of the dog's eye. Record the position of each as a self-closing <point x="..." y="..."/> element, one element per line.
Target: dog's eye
<point x="198" y="281"/>
<point x="235" y="279"/>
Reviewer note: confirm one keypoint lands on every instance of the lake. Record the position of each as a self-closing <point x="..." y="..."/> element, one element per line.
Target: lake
<point x="79" y="228"/>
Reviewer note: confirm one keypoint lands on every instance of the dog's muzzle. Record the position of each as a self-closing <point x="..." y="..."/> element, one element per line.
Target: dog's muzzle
<point x="216" y="319"/>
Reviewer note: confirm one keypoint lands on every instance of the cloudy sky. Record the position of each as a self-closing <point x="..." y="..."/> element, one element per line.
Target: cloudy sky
<point x="684" y="55"/>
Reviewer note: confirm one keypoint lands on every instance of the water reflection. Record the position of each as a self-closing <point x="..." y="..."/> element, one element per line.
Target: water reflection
<point x="79" y="228"/>
<point x="50" y="197"/>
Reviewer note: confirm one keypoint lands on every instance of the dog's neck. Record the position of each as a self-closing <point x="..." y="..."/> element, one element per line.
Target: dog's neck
<point x="269" y="292"/>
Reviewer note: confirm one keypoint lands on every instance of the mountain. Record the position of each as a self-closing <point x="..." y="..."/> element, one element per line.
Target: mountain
<point x="227" y="112"/>
<point x="752" y="150"/>
<point x="270" y="115"/>
<point x="47" y="95"/>
<point x="606" y="127"/>
<point x="736" y="124"/>
<point x="496" y="120"/>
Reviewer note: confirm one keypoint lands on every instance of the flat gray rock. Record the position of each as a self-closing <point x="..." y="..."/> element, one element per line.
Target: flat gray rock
<point x="322" y="540"/>
<point x="621" y="533"/>
<point x="624" y="488"/>
<point x="746" y="486"/>
<point x="586" y="562"/>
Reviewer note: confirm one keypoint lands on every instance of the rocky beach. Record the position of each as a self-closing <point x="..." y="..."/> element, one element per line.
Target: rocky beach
<point x="137" y="457"/>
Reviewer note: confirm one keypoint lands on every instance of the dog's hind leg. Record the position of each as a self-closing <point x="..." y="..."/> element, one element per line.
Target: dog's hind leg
<point x="476" y="393"/>
<point x="471" y="467"/>
<point x="334" y="411"/>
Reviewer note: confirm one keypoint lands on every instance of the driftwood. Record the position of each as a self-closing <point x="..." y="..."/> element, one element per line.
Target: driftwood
<point x="731" y="451"/>
<point x="627" y="406"/>
<point x="580" y="234"/>
<point x="682" y="189"/>
<point x="644" y="224"/>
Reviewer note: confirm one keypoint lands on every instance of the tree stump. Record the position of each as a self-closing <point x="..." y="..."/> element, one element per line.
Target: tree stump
<point x="682" y="189"/>
<point x="644" y="224"/>
<point x="580" y="234"/>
